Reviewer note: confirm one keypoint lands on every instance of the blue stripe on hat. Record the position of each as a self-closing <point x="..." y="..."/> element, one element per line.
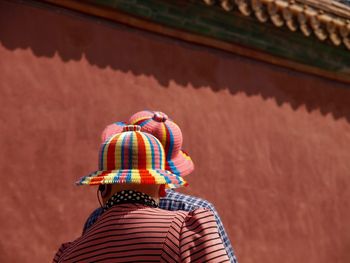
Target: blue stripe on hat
<point x="130" y="150"/>
<point x="120" y="123"/>
<point x="173" y="167"/>
<point x="167" y="179"/>
<point x="179" y="179"/>
<point x="117" y="176"/>
<point x="100" y="157"/>
<point x="171" y="142"/>
<point x="122" y="152"/>
<point x="128" y="177"/>
<point x="143" y="123"/>
<point x="171" y="147"/>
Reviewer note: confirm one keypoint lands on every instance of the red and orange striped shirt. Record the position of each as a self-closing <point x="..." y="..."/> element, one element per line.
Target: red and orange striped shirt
<point x="138" y="233"/>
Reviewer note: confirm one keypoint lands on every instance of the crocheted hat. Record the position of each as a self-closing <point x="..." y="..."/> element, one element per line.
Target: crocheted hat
<point x="112" y="129"/>
<point x="134" y="157"/>
<point x="169" y="134"/>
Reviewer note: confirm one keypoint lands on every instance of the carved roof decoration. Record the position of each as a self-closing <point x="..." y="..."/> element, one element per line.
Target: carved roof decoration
<point x="325" y="19"/>
<point x="193" y="21"/>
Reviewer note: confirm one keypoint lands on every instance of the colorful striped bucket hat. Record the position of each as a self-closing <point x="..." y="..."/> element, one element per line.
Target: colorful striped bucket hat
<point x="134" y="157"/>
<point x="169" y="134"/>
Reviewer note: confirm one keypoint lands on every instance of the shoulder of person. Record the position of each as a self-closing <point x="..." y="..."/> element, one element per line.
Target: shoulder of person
<point x="196" y="216"/>
<point x="189" y="199"/>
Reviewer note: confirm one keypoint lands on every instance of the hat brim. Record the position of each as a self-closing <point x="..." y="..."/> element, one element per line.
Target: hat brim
<point x="181" y="165"/>
<point x="133" y="176"/>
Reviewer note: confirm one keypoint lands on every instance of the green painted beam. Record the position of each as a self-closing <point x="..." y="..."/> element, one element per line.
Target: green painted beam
<point x="213" y="22"/>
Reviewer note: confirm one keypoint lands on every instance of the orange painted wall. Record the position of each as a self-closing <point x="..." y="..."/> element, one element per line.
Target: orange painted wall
<point x="271" y="146"/>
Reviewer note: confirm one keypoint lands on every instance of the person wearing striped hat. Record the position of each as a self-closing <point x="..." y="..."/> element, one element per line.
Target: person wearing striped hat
<point x="177" y="161"/>
<point x="132" y="227"/>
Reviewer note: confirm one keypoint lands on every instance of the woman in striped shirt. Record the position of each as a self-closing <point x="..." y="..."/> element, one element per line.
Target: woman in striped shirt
<point x="133" y="228"/>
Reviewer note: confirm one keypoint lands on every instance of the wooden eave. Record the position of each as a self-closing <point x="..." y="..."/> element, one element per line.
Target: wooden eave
<point x="227" y="28"/>
<point x="324" y="19"/>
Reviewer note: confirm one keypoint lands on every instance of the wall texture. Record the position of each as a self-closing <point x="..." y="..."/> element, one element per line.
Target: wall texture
<point x="271" y="146"/>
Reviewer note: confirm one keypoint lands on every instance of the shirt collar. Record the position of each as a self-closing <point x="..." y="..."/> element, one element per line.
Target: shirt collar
<point x="130" y="196"/>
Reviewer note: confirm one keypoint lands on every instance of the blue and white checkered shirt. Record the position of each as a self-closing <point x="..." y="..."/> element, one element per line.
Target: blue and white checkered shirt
<point x="176" y="201"/>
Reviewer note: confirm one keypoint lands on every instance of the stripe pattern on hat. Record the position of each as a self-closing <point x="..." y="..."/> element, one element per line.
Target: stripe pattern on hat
<point x="170" y="135"/>
<point x="132" y="157"/>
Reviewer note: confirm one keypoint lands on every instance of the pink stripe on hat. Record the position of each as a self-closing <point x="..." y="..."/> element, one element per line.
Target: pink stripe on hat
<point x="112" y="129"/>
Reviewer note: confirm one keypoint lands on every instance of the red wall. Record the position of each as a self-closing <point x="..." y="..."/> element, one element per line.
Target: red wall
<point x="271" y="146"/>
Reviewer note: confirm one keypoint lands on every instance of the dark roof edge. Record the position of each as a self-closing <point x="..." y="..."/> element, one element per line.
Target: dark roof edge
<point x="141" y="17"/>
<point x="323" y="19"/>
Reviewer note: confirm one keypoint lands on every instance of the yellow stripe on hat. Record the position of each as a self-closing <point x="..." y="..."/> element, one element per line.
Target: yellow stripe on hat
<point x="139" y="119"/>
<point x="118" y="151"/>
<point x="164" y="134"/>
<point x="136" y="178"/>
<point x="186" y="156"/>
<point x="157" y="177"/>
<point x="149" y="153"/>
<point x="87" y="180"/>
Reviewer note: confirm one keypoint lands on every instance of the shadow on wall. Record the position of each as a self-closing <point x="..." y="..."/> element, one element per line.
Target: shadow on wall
<point x="73" y="36"/>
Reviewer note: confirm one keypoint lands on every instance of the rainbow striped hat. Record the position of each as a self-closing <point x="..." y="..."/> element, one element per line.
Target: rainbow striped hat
<point x="169" y="134"/>
<point x="134" y="157"/>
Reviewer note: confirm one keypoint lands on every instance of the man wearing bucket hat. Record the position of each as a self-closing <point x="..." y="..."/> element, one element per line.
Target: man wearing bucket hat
<point x="177" y="161"/>
<point x="132" y="227"/>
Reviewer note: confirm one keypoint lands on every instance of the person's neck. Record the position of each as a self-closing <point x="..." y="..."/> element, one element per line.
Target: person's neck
<point x="130" y="197"/>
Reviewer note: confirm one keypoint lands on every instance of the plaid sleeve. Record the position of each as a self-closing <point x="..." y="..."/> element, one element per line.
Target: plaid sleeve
<point x="92" y="219"/>
<point x="177" y="201"/>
